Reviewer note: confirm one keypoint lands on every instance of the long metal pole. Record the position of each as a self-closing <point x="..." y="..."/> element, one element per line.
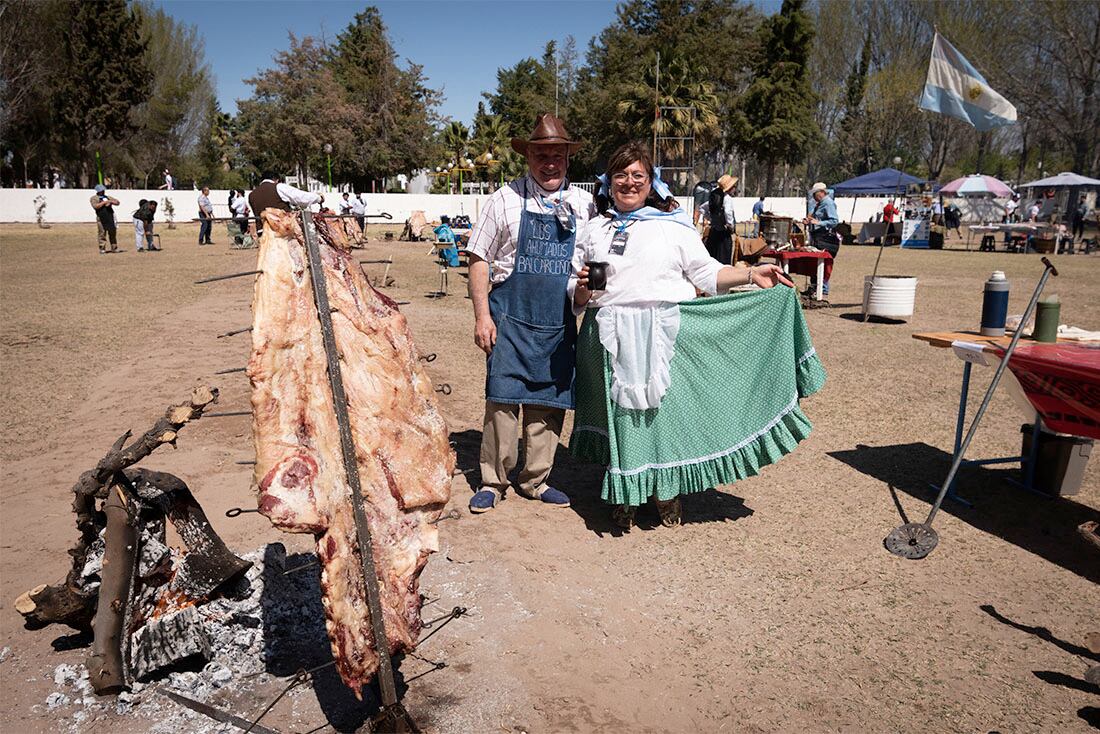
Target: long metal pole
<point x="656" y="104"/>
<point x="351" y="466"/>
<point x="1049" y="269"/>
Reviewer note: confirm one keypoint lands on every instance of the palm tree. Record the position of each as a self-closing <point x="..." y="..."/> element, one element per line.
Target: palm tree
<point x="456" y="138"/>
<point x="491" y="135"/>
<point x="491" y="145"/>
<point x="682" y="87"/>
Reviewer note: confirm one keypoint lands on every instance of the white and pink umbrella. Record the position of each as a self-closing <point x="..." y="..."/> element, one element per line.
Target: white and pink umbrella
<point x="977" y="184"/>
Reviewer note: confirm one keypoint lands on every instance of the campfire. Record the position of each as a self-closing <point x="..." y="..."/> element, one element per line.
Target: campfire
<point x="135" y="595"/>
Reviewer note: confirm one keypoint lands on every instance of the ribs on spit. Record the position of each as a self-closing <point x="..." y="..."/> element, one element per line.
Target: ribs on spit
<point x="404" y="458"/>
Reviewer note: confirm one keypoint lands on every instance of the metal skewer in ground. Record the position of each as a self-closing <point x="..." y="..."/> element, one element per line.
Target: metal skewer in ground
<point x="228" y="277"/>
<point x="915" y="540"/>
<point x="393" y="716"/>
<point x="235" y="332"/>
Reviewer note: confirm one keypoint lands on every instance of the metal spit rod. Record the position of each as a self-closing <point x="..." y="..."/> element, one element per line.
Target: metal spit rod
<point x="351" y="467"/>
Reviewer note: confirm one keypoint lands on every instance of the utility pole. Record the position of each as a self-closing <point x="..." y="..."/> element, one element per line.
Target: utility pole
<point x="656" y="104"/>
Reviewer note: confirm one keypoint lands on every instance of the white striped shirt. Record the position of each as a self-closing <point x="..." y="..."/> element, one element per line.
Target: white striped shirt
<point x="496" y="232"/>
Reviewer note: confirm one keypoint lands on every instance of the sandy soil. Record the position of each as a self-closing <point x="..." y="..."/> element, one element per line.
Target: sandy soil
<point x="775" y="608"/>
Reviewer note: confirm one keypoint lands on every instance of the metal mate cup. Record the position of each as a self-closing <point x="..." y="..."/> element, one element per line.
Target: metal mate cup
<point x="597" y="275"/>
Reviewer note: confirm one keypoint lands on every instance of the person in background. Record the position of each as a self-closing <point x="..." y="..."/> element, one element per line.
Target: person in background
<point x="206" y="214"/>
<point x="757" y="212"/>
<point x="521" y="247"/>
<point x="1033" y="211"/>
<point x="1079" y="215"/>
<point x="1010" y="208"/>
<point x="700" y="216"/>
<point x="272" y="193"/>
<point x="240" y="211"/>
<point x="150" y="213"/>
<point x="143" y="225"/>
<point x="952" y="218"/>
<point x="105" y="224"/>
<point x="888" y="213"/>
<point x="445" y="235"/>
<point x="169" y="183"/>
<point x="822" y="222"/>
<point x="359" y="209"/>
<point x="345" y="204"/>
<point x="937" y="210"/>
<point x="722" y="220"/>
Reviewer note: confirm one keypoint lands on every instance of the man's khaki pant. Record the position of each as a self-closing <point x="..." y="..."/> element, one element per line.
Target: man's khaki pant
<point x="500" y="450"/>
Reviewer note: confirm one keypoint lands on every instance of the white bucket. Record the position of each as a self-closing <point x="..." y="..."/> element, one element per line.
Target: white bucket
<point x="891" y="296"/>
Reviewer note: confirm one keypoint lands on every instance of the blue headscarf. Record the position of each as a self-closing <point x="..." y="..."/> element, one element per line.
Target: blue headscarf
<point x="677" y="215"/>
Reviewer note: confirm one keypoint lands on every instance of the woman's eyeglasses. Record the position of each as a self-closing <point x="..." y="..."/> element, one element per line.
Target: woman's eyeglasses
<point x="637" y="178"/>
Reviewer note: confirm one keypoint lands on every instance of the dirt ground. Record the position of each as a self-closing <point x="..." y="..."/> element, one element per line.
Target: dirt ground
<point x="774" y="608"/>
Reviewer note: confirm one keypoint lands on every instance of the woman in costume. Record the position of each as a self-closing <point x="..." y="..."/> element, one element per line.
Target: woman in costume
<point x="667" y="387"/>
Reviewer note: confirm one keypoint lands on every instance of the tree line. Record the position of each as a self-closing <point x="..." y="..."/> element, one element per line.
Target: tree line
<point x="818" y="91"/>
<point x="822" y="91"/>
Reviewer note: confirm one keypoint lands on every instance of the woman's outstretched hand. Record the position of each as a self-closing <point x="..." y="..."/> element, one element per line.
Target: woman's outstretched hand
<point x="768" y="276"/>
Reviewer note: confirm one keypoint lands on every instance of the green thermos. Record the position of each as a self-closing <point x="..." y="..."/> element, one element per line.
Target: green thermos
<point x="1046" y="319"/>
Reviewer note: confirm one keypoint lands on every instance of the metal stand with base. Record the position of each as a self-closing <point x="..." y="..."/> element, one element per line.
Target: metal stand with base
<point x="915" y="540"/>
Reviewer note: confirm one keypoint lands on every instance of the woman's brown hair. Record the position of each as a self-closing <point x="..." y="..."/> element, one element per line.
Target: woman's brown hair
<point x="624" y="155"/>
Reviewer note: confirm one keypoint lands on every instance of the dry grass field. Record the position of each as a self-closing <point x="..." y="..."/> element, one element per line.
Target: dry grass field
<point x="774" y="608"/>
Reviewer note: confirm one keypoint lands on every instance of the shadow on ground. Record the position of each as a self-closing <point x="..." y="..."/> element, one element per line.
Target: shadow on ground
<point x="858" y="316"/>
<point x="295" y="639"/>
<point x="1044" y="526"/>
<point x="583" y="482"/>
<point x="1090" y="714"/>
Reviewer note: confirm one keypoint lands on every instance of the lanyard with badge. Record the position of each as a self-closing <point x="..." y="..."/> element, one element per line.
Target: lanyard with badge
<point x="560" y="209"/>
<point x="619" y="239"/>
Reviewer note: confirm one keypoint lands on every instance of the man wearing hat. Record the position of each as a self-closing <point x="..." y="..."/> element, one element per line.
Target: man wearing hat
<point x="822" y="221"/>
<point x="722" y="220"/>
<point x="106" y="227"/>
<point x="521" y="249"/>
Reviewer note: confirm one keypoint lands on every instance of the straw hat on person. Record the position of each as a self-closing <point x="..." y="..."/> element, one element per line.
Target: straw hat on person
<point x="549" y="130"/>
<point x="727" y="183"/>
<point x="818" y="187"/>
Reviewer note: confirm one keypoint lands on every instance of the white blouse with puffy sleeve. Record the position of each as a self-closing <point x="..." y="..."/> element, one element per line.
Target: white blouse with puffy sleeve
<point x="663" y="262"/>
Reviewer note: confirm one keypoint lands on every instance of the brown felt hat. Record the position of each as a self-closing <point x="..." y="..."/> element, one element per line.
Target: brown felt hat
<point x="549" y="130"/>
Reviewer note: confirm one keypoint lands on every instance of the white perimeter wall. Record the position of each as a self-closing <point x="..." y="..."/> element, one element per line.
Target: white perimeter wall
<point x="72" y="205"/>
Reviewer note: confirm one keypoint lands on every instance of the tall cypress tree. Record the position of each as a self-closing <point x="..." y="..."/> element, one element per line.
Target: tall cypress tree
<point x="395" y="105"/>
<point x="105" y="75"/>
<point x="775" y="118"/>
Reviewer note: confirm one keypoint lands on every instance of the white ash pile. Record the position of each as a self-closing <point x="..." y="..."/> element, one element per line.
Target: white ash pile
<point x="268" y="625"/>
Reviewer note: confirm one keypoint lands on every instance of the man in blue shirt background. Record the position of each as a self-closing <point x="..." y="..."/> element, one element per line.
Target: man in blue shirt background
<point x="822" y="222"/>
<point x="757" y="212"/>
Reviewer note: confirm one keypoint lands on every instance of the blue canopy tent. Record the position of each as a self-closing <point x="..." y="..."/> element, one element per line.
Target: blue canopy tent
<point x="884" y="182"/>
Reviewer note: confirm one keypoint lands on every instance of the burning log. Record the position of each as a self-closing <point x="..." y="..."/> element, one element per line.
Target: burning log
<point x="70" y="602"/>
<point x="208" y="563"/>
<point x="169" y="639"/>
<point x="108" y="671"/>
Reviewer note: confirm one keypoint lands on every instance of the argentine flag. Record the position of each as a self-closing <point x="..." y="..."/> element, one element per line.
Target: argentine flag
<point x="955" y="88"/>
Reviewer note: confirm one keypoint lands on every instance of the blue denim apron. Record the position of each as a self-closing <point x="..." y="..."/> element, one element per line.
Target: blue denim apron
<point x="534" y="356"/>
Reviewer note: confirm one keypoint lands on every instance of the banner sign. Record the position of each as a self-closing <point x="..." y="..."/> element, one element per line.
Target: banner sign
<point x="1062" y="381"/>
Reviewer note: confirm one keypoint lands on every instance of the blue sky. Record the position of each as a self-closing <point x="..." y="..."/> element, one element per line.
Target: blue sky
<point x="460" y="44"/>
